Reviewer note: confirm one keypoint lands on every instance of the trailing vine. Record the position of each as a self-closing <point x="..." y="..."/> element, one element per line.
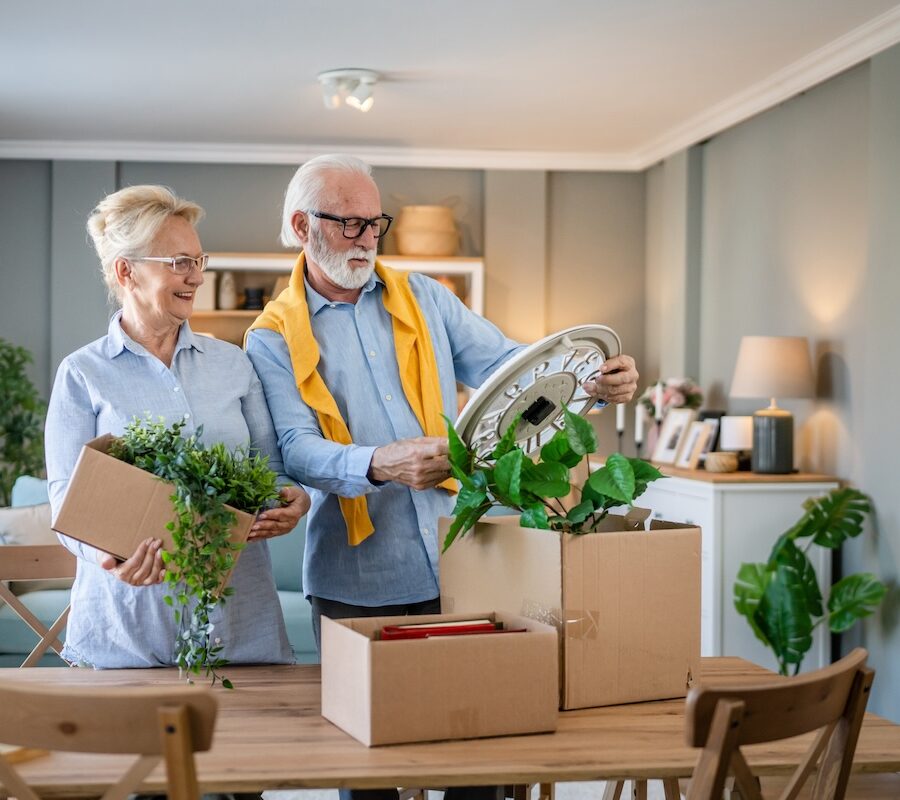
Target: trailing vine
<point x="206" y="479"/>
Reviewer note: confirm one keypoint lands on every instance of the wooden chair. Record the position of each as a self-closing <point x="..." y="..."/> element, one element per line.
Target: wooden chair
<point x="831" y="701"/>
<point x="155" y="723"/>
<point x="31" y="563"/>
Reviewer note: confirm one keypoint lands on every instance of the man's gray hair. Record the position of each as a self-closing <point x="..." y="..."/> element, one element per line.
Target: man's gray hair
<point x="304" y="192"/>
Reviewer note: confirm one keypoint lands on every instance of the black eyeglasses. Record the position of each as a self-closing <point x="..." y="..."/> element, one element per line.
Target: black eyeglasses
<point x="180" y="265"/>
<point x="354" y="227"/>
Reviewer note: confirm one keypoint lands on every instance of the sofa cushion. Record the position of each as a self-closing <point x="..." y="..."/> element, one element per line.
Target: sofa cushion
<point x="29" y="491"/>
<point x="46" y="605"/>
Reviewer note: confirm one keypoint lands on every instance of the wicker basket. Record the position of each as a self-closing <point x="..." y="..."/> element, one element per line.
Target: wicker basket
<point x="426" y="231"/>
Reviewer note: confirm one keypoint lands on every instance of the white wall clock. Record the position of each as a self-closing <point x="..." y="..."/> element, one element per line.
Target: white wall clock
<point x="539" y="383"/>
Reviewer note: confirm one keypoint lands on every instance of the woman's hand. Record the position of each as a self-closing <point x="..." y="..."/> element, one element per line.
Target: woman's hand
<point x="281" y="520"/>
<point x="144" y="568"/>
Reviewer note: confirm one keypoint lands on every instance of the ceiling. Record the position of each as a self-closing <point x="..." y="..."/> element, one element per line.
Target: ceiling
<point x="580" y="84"/>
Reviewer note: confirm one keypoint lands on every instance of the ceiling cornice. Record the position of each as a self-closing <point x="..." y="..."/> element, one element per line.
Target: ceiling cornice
<point x="847" y="51"/>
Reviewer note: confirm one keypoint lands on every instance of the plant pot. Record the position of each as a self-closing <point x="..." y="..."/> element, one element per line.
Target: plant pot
<point x="427" y="231"/>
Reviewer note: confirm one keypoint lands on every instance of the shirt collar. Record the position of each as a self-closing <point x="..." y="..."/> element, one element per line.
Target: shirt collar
<point x="117" y="340"/>
<point x="316" y="302"/>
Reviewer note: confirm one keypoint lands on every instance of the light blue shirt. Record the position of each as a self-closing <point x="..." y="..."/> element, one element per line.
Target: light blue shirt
<point x="100" y="389"/>
<point x="398" y="563"/>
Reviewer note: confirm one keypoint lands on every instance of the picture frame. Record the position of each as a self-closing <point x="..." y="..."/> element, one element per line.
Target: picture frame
<point x="713" y="424"/>
<point x="697" y="438"/>
<point x="671" y="434"/>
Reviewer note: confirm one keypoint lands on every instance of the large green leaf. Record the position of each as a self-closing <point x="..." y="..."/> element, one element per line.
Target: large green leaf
<point x="749" y="587"/>
<point x="460" y="455"/>
<point x="799" y="571"/>
<point x="464" y="522"/>
<point x="469" y="497"/>
<point x="578" y="514"/>
<point x="508" y="440"/>
<point x="644" y="474"/>
<point x="784" y="619"/>
<point x="557" y="449"/>
<point x="535" y="516"/>
<point x="832" y="518"/>
<point x="546" y="479"/>
<point x="508" y="476"/>
<point x="852" y="598"/>
<point x="580" y="433"/>
<point x="615" y="479"/>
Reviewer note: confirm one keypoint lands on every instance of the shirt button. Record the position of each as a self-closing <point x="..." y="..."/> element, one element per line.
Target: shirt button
<point x="387" y="397"/>
<point x="371" y="353"/>
<point x="332" y="305"/>
<point x="424" y="531"/>
<point x="177" y="388"/>
<point x="187" y="416"/>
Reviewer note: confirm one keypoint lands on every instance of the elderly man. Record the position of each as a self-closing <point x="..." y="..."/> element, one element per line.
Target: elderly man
<point x="358" y="363"/>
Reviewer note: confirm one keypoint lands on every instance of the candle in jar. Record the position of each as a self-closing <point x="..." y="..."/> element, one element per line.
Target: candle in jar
<point x="658" y="401"/>
<point x="620" y="418"/>
<point x="639" y="412"/>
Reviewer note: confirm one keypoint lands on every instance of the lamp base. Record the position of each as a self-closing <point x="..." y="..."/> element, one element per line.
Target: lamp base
<point x="773" y="441"/>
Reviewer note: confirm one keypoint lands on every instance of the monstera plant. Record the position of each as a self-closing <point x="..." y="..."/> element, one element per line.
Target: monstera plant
<point x="781" y="598"/>
<point x="540" y="490"/>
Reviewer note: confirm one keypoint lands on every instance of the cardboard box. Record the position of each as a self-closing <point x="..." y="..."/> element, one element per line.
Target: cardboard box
<point x="452" y="687"/>
<point x="626" y="603"/>
<point x="114" y="506"/>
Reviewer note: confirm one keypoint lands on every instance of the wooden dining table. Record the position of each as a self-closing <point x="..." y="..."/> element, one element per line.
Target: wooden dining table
<point x="270" y="735"/>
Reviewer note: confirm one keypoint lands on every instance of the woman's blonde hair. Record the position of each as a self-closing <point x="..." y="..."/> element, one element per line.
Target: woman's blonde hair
<point x="125" y="223"/>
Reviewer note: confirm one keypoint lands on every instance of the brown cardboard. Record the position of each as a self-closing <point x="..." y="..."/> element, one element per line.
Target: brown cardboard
<point x="114" y="506"/>
<point x="626" y="603"/>
<point x="454" y="687"/>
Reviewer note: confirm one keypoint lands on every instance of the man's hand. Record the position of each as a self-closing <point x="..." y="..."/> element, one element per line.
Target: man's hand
<point x="420" y="463"/>
<point x="144" y="568"/>
<point x="618" y="383"/>
<point x="281" y="520"/>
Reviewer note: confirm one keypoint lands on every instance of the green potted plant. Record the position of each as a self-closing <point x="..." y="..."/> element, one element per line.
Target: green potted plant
<point x="206" y="480"/>
<point x="21" y="420"/>
<point x="781" y="599"/>
<point x="537" y="488"/>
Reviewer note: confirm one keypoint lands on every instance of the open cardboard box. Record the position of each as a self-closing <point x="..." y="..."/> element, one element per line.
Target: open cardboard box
<point x="626" y="603"/>
<point x="453" y="687"/>
<point x="114" y="506"/>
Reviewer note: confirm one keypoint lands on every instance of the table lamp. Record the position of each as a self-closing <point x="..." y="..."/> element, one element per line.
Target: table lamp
<point x="773" y="366"/>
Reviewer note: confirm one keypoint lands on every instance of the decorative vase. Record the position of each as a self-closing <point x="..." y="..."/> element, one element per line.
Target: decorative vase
<point x="228" y="297"/>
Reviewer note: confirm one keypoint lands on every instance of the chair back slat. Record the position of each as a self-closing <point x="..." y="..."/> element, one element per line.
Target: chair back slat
<point x="36" y="562"/>
<point x="773" y="711"/>
<point x="831" y="700"/>
<point x="99" y="720"/>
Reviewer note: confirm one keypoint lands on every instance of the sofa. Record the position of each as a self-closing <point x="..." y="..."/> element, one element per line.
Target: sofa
<point x="46" y="602"/>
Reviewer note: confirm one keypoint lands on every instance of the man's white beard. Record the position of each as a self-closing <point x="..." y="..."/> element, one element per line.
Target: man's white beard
<point x="335" y="265"/>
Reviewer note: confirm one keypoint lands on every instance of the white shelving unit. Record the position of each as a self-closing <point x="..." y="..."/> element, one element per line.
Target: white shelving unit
<point x="464" y="276"/>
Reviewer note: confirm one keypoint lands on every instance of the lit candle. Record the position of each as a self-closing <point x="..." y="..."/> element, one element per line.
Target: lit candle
<point x="620" y="418"/>
<point x="639" y="413"/>
<point x="658" y="401"/>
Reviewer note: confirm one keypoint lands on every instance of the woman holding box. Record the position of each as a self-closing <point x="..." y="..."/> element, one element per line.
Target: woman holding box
<point x="151" y="362"/>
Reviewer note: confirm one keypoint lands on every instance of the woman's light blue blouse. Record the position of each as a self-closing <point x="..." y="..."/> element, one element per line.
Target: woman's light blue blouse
<point x="100" y="389"/>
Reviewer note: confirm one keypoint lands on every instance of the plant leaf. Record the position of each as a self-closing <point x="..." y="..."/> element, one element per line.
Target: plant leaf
<point x="508" y="475"/>
<point x="535" y="516"/>
<point x="832" y="518"/>
<point x="459" y="454"/>
<point x="558" y="450"/>
<point x="644" y="474"/>
<point x="615" y="479"/>
<point x="800" y="572"/>
<point x="579" y="433"/>
<point x="578" y="514"/>
<point x="463" y="522"/>
<point x="749" y="587"/>
<point x="547" y="479"/>
<point x="852" y="598"/>
<point x="469" y="498"/>
<point x="784" y="619"/>
<point x="508" y="440"/>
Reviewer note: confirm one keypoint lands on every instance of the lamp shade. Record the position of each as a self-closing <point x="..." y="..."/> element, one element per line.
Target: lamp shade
<point x="773" y="366"/>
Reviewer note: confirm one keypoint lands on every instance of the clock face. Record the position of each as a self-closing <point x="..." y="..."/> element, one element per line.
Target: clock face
<point x="539" y="383"/>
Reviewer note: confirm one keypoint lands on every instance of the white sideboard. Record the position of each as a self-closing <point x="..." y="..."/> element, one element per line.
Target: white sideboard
<point x="741" y="515"/>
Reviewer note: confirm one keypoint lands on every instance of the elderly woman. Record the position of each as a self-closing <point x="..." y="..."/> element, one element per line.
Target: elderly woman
<point x="151" y="362"/>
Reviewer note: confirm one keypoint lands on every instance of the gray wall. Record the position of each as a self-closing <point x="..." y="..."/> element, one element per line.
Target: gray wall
<point x="799" y="226"/>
